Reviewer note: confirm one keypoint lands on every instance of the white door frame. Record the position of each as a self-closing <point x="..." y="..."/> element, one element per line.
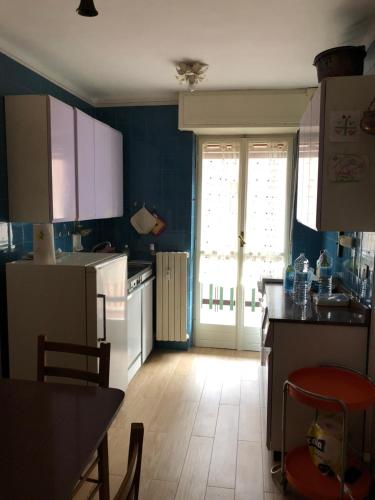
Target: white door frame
<point x="222" y="341"/>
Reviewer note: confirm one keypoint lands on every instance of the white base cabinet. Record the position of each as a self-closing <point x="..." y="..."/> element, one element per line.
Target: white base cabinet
<point x="298" y="345"/>
<point x="134" y="327"/>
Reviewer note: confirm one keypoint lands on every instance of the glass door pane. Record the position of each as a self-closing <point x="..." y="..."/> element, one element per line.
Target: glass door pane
<point x="218" y="242"/>
<point x="243" y="229"/>
<point x="266" y="232"/>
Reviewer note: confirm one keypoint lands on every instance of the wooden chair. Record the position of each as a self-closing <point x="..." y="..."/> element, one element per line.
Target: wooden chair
<point x="103" y="353"/>
<point x="129" y="489"/>
<point x="101" y="378"/>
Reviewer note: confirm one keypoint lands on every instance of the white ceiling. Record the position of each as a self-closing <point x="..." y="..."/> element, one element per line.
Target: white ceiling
<point x="127" y="54"/>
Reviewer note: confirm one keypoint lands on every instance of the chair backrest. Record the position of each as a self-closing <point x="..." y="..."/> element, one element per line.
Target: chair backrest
<point x="103" y="353"/>
<point x="129" y="488"/>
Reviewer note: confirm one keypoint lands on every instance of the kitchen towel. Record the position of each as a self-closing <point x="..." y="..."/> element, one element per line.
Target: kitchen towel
<point x="143" y="221"/>
<point x="44" y="245"/>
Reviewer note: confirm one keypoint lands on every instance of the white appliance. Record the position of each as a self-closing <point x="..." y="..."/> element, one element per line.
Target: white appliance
<point x="140" y="311"/>
<point x="80" y="299"/>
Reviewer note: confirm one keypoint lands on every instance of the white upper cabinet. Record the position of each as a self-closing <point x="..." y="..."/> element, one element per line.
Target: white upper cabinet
<point x="99" y="169"/>
<point x="336" y="166"/>
<point x="41" y="159"/>
<point x="85" y="166"/>
<point x="108" y="171"/>
<point x="63" y="165"/>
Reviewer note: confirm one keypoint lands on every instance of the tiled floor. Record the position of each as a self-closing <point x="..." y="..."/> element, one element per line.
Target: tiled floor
<point x="203" y="413"/>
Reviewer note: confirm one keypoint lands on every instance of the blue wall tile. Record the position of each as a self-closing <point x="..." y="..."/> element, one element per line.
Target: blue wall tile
<point x="306" y="240"/>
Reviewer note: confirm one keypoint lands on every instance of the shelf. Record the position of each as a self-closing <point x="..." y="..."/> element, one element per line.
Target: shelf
<point x="305" y="478"/>
<point x="356" y="391"/>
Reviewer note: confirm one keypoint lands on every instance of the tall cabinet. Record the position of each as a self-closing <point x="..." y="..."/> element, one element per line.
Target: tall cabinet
<point x="336" y="167"/>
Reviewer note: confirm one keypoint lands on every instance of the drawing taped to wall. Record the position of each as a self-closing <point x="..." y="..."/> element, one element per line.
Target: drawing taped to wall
<point x="348" y="167"/>
<point x="344" y="126"/>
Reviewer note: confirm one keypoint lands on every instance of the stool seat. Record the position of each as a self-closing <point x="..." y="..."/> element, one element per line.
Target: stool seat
<point x="353" y="389"/>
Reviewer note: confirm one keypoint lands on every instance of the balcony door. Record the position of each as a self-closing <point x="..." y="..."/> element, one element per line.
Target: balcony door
<point x="242" y="235"/>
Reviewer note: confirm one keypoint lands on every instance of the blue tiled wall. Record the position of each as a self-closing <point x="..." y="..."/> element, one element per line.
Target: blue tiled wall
<point x="159" y="172"/>
<point x="306" y="240"/>
<point x="16" y="239"/>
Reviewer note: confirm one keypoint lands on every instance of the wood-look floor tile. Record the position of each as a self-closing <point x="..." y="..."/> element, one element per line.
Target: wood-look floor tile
<point x="193" y="481"/>
<point x="219" y="494"/>
<point x="230" y="394"/>
<point x="173" y="451"/>
<point x="118" y="446"/>
<point x="152" y="445"/>
<point x="205" y="422"/>
<point x="249" y="476"/>
<point x="185" y="387"/>
<point x="140" y="409"/>
<point x="223" y="461"/>
<point x="249" y="369"/>
<point x="159" y="490"/>
<point x="250" y="393"/>
<point x="249" y="423"/>
<point x="173" y="414"/>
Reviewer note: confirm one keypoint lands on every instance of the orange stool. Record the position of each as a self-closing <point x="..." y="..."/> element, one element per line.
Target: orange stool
<point x="333" y="389"/>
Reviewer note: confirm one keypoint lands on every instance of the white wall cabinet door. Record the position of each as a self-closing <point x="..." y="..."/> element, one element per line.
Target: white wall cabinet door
<point x="62" y="161"/>
<point x="117" y="172"/>
<point x="85" y="164"/>
<point x="41" y="159"/>
<point x="108" y="172"/>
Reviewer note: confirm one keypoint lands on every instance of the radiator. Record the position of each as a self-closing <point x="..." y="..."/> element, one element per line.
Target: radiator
<point x="171" y="296"/>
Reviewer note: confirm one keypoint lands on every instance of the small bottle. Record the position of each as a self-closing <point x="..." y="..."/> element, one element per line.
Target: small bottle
<point x="289" y="279"/>
<point x="300" y="284"/>
<point x="324" y="273"/>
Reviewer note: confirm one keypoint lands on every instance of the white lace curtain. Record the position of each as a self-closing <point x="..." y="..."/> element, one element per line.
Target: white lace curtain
<point x="219" y="213"/>
<point x="265" y="212"/>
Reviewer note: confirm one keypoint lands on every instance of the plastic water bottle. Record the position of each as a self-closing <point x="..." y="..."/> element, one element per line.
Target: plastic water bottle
<point x="301" y="277"/>
<point x="289" y="279"/>
<point x="324" y="273"/>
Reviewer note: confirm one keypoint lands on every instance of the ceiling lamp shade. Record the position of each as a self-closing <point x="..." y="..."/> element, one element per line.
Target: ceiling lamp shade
<point x="191" y="73"/>
<point x="87" y="8"/>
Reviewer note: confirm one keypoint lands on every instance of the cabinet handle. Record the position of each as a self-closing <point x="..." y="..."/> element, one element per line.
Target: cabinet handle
<point x="241" y="238"/>
<point x="104" y="338"/>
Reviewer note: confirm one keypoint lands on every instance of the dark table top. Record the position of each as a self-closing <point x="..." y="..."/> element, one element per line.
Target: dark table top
<point x="48" y="433"/>
<point x="282" y="308"/>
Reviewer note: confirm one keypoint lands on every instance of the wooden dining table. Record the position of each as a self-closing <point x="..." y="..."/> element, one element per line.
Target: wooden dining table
<point x="48" y="433"/>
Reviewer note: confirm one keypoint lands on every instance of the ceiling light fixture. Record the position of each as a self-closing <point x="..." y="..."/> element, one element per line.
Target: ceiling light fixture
<point x="191" y="73"/>
<point x="87" y="8"/>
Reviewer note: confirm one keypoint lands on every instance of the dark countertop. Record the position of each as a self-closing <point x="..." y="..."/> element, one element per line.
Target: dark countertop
<point x="282" y="308"/>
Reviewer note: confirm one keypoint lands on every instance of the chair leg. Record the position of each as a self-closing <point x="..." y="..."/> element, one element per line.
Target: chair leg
<point x="103" y="469"/>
